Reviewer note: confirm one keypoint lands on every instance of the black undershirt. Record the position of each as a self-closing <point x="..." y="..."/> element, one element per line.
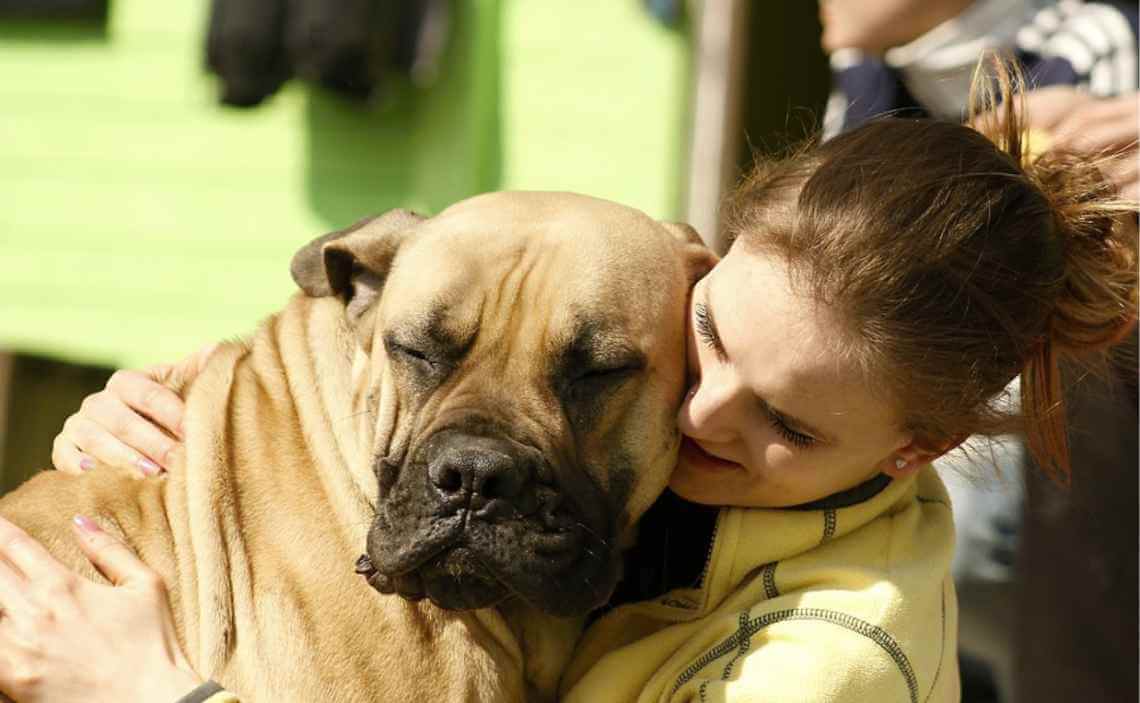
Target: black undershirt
<point x="675" y="537"/>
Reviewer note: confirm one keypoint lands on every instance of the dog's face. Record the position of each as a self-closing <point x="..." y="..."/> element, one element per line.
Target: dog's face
<point x="525" y="366"/>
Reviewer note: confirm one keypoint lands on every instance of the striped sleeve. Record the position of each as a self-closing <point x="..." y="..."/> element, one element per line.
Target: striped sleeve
<point x="1092" y="45"/>
<point x="862" y="89"/>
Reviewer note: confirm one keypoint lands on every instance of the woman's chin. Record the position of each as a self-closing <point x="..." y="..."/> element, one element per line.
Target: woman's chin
<point x="696" y="486"/>
<point x="693" y="492"/>
<point x="701" y="477"/>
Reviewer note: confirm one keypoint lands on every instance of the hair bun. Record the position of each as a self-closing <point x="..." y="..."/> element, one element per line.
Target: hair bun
<point x="1097" y="235"/>
<point x="1093" y="227"/>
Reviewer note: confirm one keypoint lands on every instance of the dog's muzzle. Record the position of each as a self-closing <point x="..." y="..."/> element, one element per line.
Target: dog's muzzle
<point x="472" y="519"/>
<point x="492" y="478"/>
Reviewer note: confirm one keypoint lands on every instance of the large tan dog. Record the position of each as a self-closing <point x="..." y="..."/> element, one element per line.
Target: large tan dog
<point x="485" y="399"/>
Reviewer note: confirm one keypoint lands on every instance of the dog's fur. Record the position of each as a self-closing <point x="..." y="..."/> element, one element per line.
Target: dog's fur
<point x="485" y="399"/>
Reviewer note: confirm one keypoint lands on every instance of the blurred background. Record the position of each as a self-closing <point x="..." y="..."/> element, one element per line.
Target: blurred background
<point x="162" y="161"/>
<point x="159" y="172"/>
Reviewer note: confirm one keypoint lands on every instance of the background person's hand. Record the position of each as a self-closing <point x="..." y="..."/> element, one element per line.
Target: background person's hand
<point x="1077" y="121"/>
<point x="134" y="423"/>
<point x="64" y="638"/>
<point x="1105" y="126"/>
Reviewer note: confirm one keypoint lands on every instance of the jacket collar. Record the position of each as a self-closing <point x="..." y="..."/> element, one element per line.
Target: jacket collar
<point x="746" y="539"/>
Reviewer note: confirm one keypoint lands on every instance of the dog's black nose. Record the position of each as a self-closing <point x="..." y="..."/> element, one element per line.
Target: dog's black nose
<point x="482" y="469"/>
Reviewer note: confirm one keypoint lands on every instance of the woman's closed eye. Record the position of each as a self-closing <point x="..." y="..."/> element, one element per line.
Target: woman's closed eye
<point x="706" y="330"/>
<point x="780" y="424"/>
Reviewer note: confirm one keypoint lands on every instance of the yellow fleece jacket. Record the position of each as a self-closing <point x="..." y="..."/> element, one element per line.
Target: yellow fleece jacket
<point x="831" y="604"/>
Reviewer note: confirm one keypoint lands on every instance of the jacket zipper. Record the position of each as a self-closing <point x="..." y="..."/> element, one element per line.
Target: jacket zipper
<point x="709" y="552"/>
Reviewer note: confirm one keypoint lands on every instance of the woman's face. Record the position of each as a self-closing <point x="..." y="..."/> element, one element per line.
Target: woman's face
<point x="775" y="415"/>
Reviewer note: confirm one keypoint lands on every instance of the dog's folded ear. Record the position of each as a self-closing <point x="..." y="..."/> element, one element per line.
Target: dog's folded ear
<point x="699" y="259"/>
<point x="352" y="263"/>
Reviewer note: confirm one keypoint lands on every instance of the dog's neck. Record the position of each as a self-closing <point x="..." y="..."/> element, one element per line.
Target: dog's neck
<point x="334" y="376"/>
<point x="545" y="642"/>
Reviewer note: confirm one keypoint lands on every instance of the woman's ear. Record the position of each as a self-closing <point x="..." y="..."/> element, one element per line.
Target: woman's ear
<point x="912" y="456"/>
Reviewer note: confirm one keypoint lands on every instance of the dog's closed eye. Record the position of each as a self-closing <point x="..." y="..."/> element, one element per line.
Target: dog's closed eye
<point x="417" y="357"/>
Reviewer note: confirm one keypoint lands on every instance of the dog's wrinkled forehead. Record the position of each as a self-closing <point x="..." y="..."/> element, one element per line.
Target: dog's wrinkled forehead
<point x="519" y="249"/>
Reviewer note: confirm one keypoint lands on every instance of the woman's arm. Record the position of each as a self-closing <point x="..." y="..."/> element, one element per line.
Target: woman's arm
<point x="65" y="638"/>
<point x="135" y="423"/>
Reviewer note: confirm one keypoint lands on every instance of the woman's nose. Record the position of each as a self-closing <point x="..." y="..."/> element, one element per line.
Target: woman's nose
<point x="707" y="411"/>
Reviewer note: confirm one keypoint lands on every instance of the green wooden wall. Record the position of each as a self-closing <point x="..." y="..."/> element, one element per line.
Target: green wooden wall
<point x="139" y="219"/>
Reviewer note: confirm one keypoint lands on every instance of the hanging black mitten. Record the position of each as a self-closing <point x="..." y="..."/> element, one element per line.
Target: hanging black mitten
<point x="244" y="48"/>
<point x="421" y="32"/>
<point x="338" y="43"/>
<point x="82" y="10"/>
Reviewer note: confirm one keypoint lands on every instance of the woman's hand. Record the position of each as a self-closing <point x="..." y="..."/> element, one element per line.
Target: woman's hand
<point x="65" y="638"/>
<point x="135" y="423"/>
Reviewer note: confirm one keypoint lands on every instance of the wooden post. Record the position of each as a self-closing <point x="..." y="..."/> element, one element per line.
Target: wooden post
<point x="719" y="65"/>
<point x="5" y="397"/>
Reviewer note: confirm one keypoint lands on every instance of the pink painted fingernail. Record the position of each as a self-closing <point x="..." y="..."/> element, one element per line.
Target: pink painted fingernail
<point x="86" y="524"/>
<point x="87" y="463"/>
<point x="148" y="467"/>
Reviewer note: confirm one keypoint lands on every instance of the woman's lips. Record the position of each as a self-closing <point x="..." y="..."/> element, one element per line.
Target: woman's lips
<point x="696" y="457"/>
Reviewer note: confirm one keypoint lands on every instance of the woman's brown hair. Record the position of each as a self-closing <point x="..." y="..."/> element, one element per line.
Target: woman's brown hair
<point x="956" y="260"/>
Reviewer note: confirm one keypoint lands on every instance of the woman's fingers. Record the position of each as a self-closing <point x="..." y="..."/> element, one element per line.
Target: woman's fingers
<point x="27" y="572"/>
<point x="110" y="556"/>
<point x="66" y="457"/>
<point x="93" y="440"/>
<point x="144" y="395"/>
<point x="65" y="638"/>
<point x="13" y="592"/>
<point x="135" y="423"/>
<point x="187" y="369"/>
<point x="132" y="429"/>
<point x="28" y="555"/>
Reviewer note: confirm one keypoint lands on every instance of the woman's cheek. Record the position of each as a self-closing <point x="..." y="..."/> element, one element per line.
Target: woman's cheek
<point x="775" y="458"/>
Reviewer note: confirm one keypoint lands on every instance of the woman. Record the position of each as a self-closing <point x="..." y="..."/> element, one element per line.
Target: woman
<point x="882" y="290"/>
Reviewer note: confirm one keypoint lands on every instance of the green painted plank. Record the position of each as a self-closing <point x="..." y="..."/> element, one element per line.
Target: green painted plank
<point x="139" y="219"/>
<point x="596" y="93"/>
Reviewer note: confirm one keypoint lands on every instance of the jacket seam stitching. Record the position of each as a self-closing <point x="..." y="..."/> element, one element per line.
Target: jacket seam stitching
<point x="768" y="573"/>
<point x="745" y="642"/>
<point x="861" y="627"/>
<point x="941" y="651"/>
<point x="828" y="525"/>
